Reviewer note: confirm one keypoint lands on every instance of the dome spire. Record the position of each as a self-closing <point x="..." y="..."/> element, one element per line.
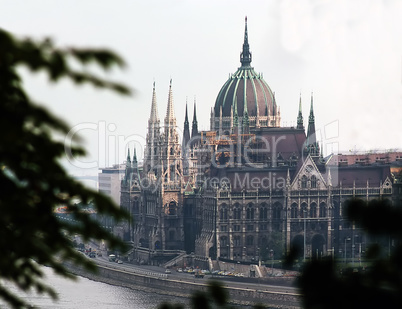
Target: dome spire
<point x="245" y="56"/>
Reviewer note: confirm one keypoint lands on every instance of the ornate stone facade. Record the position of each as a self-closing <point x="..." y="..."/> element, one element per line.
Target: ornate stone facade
<point x="247" y="189"/>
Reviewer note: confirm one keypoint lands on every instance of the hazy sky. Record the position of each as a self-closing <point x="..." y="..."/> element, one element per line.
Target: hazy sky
<point x="349" y="53"/>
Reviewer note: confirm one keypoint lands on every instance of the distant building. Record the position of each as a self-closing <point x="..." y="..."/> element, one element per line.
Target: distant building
<point x="248" y="189"/>
<point x="109" y="181"/>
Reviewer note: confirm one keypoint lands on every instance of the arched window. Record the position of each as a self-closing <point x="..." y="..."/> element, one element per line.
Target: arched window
<point x="237" y="212"/>
<point x="313" y="210"/>
<point x="172" y="208"/>
<point x="224" y="241"/>
<point x="313" y="181"/>
<point x="263" y="212"/>
<point x="293" y="210"/>
<point x="250" y="212"/>
<point x="276" y="211"/>
<point x="171" y="151"/>
<point x="303" y="211"/>
<point x="304" y="182"/>
<point x="223" y="214"/>
<point x="323" y="210"/>
<point x="236" y="241"/>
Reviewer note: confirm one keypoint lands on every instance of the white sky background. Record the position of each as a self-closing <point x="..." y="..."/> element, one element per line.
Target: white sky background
<point x="349" y="53"/>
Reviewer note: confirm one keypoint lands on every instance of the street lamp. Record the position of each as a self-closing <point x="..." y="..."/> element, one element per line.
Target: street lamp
<point x="272" y="263"/>
<point x="304" y="240"/>
<point x="346" y="239"/>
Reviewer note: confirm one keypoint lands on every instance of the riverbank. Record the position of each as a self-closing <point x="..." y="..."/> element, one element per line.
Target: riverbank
<point x="184" y="288"/>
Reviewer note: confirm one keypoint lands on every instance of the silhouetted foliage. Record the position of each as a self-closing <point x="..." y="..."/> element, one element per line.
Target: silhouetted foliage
<point x="32" y="180"/>
<point x="323" y="285"/>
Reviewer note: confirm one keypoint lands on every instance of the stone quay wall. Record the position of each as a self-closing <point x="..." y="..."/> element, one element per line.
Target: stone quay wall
<point x="162" y="284"/>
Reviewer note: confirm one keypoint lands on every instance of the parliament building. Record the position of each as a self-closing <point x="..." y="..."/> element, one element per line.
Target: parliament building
<point x="248" y="189"/>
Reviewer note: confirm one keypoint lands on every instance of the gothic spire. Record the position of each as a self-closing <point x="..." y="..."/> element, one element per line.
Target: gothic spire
<point x="300" y="124"/>
<point x="128" y="157"/>
<point x="170" y="119"/>
<point x="170" y="110"/>
<point x="128" y="168"/>
<point x="135" y="157"/>
<point x="186" y="123"/>
<point x="313" y="146"/>
<point x="245" y="56"/>
<point x="194" y="130"/>
<point x="311" y="124"/>
<point x="186" y="131"/>
<point x="235" y="117"/>
<point x="154" y="109"/>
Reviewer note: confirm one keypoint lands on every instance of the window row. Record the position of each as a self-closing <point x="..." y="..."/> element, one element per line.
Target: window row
<point x="304" y="212"/>
<point x="250" y="212"/>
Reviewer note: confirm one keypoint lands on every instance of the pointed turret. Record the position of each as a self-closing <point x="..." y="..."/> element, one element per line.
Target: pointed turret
<point x="311" y="125"/>
<point x="127" y="171"/>
<point x="288" y="179"/>
<point x="194" y="130"/>
<point x="311" y="142"/>
<point x="171" y="156"/>
<point x="186" y="132"/>
<point x="235" y="118"/>
<point x="153" y="136"/>
<point x="300" y="124"/>
<point x="245" y="56"/>
<point x="154" y="109"/>
<point x="170" y="110"/>
<point x="246" y="123"/>
<point x="128" y="162"/>
<point x="135" y="162"/>
<point x="133" y="175"/>
<point x="329" y="180"/>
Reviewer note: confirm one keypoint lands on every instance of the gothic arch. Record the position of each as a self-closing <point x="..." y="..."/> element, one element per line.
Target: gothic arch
<point x="317" y="246"/>
<point x="323" y="210"/>
<point x="250" y="211"/>
<point x="237" y="211"/>
<point x="303" y="210"/>
<point x="297" y="246"/>
<point x="263" y="211"/>
<point x="276" y="211"/>
<point x="313" y="210"/>
<point x="293" y="210"/>
<point x="303" y="182"/>
<point x="313" y="181"/>
<point x="223" y="212"/>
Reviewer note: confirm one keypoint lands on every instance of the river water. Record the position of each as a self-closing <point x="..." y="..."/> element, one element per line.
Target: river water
<point x="88" y="294"/>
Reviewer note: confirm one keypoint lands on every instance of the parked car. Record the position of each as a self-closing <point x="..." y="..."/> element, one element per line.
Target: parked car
<point x="167" y="271"/>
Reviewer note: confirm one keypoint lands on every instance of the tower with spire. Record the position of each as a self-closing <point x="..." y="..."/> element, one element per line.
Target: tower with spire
<point x="194" y="129"/>
<point x="313" y="147"/>
<point x="185" y="146"/>
<point x="171" y="155"/>
<point x="152" y="148"/>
